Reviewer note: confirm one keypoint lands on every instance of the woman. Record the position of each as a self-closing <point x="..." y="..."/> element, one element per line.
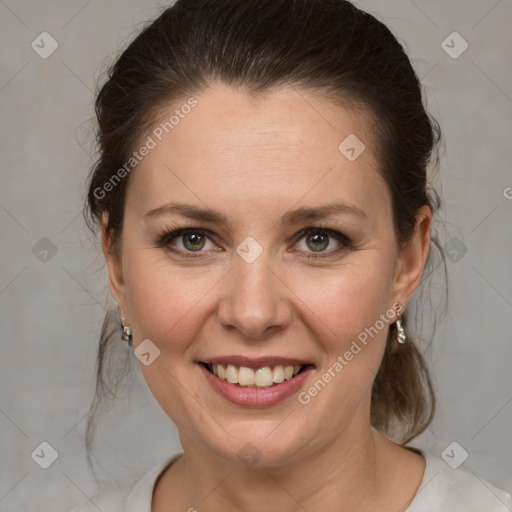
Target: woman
<point x="266" y="220"/>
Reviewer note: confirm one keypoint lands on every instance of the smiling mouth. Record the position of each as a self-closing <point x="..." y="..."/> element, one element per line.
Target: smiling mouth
<point x="264" y="377"/>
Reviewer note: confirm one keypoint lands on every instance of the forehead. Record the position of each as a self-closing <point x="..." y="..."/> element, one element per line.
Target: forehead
<point x="233" y="151"/>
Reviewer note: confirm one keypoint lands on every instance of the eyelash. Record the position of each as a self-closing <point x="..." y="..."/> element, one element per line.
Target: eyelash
<point x="165" y="237"/>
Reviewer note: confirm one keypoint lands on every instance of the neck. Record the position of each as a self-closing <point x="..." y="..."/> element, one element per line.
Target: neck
<point x="351" y="472"/>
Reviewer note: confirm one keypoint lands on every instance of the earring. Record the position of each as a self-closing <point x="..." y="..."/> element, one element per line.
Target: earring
<point x="127" y="335"/>
<point x="127" y="331"/>
<point x="400" y="329"/>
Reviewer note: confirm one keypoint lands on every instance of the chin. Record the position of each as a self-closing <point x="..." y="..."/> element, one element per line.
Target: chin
<point x="259" y="444"/>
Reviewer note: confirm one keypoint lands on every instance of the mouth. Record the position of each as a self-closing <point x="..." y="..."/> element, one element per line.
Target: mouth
<point x="256" y="376"/>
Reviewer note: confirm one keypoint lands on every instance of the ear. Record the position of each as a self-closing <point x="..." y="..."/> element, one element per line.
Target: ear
<point x="412" y="258"/>
<point x="114" y="264"/>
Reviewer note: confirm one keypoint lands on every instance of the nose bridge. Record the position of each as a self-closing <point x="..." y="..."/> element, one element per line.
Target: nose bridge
<point x="253" y="301"/>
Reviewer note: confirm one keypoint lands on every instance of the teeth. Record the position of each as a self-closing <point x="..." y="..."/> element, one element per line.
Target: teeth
<point x="278" y="374"/>
<point x="262" y="377"/>
<point x="246" y="377"/>
<point x="288" y="372"/>
<point x="231" y="374"/>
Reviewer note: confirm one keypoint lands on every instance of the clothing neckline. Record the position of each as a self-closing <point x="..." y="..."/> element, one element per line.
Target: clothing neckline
<point x="428" y="474"/>
<point x="140" y="497"/>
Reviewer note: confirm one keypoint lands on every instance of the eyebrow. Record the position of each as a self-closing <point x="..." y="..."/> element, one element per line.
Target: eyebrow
<point x="292" y="217"/>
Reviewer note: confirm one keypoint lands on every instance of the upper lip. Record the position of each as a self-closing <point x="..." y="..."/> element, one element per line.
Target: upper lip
<point x="258" y="362"/>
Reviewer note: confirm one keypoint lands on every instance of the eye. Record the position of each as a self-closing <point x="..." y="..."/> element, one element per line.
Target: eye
<point x="190" y="239"/>
<point x="194" y="240"/>
<point x="319" y="239"/>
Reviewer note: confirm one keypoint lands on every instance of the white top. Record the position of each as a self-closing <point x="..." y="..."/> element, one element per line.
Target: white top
<point x="442" y="489"/>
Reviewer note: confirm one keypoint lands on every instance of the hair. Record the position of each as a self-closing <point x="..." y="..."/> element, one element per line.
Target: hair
<point x="327" y="46"/>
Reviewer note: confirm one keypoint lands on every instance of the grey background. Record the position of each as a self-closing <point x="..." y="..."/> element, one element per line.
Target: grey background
<point x="51" y="311"/>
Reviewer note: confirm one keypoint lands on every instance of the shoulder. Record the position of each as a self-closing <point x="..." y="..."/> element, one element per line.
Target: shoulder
<point x="444" y="489"/>
<point x="133" y="497"/>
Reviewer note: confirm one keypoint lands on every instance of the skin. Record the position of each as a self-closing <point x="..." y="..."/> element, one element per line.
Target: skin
<point x="253" y="161"/>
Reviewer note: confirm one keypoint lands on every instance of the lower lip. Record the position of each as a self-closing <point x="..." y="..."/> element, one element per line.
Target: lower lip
<point x="256" y="397"/>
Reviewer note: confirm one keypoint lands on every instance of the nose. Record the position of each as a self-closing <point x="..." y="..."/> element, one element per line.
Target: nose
<point x="255" y="301"/>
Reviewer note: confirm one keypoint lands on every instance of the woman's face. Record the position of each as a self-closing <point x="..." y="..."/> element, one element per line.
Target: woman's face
<point x="247" y="290"/>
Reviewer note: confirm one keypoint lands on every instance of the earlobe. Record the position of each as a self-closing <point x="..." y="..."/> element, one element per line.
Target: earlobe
<point x="413" y="257"/>
<point x="114" y="267"/>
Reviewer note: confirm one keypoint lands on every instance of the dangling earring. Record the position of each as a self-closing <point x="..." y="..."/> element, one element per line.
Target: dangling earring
<point x="127" y="334"/>
<point x="400" y="329"/>
<point x="127" y="331"/>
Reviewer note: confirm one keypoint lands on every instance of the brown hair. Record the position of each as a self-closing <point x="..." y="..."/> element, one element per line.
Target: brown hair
<point x="328" y="46"/>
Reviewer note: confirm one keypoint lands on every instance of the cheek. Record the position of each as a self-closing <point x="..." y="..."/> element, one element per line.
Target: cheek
<point x="346" y="311"/>
<point x="165" y="301"/>
<point x="345" y="301"/>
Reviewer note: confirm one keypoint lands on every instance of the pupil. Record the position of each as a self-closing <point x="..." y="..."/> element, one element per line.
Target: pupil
<point x="319" y="241"/>
<point x="321" y="238"/>
<point x="196" y="240"/>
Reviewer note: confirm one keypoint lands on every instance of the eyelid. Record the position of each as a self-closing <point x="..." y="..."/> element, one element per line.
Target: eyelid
<point x="344" y="241"/>
<point x="331" y="232"/>
<point x="171" y="233"/>
<point x="166" y="236"/>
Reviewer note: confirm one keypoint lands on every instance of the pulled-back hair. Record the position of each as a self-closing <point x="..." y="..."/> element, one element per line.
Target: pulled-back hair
<point x="328" y="46"/>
